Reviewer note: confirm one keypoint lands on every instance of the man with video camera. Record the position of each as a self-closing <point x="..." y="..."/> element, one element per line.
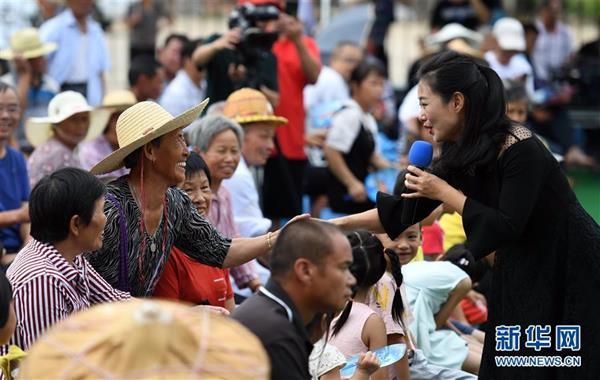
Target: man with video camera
<point x="242" y="57"/>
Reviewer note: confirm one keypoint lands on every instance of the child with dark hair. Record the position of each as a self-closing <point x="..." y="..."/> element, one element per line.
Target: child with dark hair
<point x="358" y="328"/>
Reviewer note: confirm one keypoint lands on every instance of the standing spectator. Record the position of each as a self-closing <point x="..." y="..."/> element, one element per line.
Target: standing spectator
<point x="50" y="277"/>
<point x="57" y="137"/>
<point x="470" y="13"/>
<point x="14" y="192"/>
<point x="169" y="56"/>
<point x="143" y="17"/>
<point x="34" y="86"/>
<point x="187" y="89"/>
<point x="228" y="69"/>
<point x="82" y="57"/>
<point x="554" y="44"/>
<point x="145" y="78"/>
<point x="95" y="150"/>
<point x="384" y="17"/>
<point x="298" y="64"/>
<point x="310" y="265"/>
<point x="14" y="16"/>
<point x="46" y="10"/>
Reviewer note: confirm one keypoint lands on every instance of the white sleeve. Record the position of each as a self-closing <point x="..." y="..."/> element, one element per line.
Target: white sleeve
<point x="345" y="127"/>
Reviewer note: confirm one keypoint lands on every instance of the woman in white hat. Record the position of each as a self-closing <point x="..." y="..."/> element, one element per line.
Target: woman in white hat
<point x="147" y="215"/>
<point x="95" y="150"/>
<point x="56" y="137"/>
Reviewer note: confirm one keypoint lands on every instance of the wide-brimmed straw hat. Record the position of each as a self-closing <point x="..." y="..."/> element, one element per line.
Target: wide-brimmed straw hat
<point x="61" y="107"/>
<point x="247" y="105"/>
<point x="140" y="124"/>
<point x="451" y="32"/>
<point x="28" y="44"/>
<point x="118" y="100"/>
<point x="146" y="339"/>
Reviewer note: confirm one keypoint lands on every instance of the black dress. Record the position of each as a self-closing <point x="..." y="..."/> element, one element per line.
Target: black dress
<point x="547" y="263"/>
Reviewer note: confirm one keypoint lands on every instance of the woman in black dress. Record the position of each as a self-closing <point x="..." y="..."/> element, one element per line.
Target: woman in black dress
<point x="514" y="201"/>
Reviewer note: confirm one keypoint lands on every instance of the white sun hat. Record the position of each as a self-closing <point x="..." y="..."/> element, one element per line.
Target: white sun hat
<point x="61" y="107"/>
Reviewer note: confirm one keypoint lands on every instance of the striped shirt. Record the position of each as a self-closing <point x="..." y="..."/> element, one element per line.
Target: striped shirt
<point x="140" y="271"/>
<point x="47" y="288"/>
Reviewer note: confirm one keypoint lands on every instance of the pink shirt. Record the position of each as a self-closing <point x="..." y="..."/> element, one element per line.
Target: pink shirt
<point x="220" y="215"/>
<point x="349" y="339"/>
<point x="94" y="151"/>
<point x="48" y="158"/>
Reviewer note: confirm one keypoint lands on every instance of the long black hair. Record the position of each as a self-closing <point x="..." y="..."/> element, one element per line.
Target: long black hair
<point x="6" y="296"/>
<point x="368" y="267"/>
<point x="486" y="123"/>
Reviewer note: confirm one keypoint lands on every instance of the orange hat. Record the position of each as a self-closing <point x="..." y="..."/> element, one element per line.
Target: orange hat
<point x="247" y="105"/>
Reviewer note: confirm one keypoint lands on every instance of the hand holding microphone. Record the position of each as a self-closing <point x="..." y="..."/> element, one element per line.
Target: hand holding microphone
<point x="419" y="157"/>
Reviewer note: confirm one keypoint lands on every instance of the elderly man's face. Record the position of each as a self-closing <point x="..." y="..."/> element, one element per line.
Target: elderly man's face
<point x="258" y="142"/>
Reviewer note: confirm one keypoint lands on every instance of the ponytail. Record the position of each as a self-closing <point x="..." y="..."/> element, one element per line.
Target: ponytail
<point x="342" y="319"/>
<point x="397" y="304"/>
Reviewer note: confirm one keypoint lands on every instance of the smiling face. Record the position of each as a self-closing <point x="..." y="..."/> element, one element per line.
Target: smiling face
<point x="197" y="188"/>
<point x="258" y="143"/>
<point x="9" y="114"/>
<point x="369" y="91"/>
<point x="73" y="130"/>
<point x="222" y="155"/>
<point x="406" y="245"/>
<point x="443" y="120"/>
<point x="170" y="156"/>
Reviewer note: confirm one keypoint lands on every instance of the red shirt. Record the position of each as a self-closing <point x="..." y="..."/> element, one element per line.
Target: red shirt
<point x="187" y="280"/>
<point x="291" y="81"/>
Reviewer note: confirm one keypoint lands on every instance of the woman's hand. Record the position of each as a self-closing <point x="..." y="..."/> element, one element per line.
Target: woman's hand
<point x="424" y="184"/>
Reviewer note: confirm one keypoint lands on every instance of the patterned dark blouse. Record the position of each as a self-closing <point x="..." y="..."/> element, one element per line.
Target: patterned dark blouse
<point x="119" y="260"/>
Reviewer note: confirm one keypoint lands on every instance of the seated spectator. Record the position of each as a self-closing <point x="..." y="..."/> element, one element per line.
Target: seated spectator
<point x="169" y="56"/>
<point x="350" y="147"/>
<point x="471" y="14"/>
<point x="507" y="59"/>
<point x="14" y="192"/>
<point x="184" y="279"/>
<point x="251" y="109"/>
<point x="94" y="151"/>
<point x="187" y="88"/>
<point x="434" y="289"/>
<point x="143" y="19"/>
<point x="8" y="324"/>
<point x="147" y="339"/>
<point x="310" y="276"/>
<point x="28" y="75"/>
<point x="145" y="78"/>
<point x="49" y="276"/>
<point x="398" y="329"/>
<point x="358" y="328"/>
<point x="219" y="142"/>
<point x="81" y="60"/>
<point x="56" y="137"/>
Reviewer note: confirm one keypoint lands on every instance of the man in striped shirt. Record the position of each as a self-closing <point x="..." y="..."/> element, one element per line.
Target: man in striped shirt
<point x="49" y="276"/>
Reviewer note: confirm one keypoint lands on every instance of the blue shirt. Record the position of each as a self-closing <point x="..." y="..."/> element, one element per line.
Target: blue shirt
<point x="13" y="192"/>
<point x="64" y="31"/>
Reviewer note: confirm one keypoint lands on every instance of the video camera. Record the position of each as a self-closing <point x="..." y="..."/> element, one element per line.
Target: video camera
<point x="255" y="42"/>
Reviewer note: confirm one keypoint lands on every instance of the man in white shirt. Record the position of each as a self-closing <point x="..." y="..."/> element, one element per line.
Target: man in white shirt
<point x="251" y="109"/>
<point x="187" y="89"/>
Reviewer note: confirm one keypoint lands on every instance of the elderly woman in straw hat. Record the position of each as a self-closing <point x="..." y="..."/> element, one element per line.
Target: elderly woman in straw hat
<point x="147" y="215"/>
<point x="95" y="150"/>
<point x="56" y="138"/>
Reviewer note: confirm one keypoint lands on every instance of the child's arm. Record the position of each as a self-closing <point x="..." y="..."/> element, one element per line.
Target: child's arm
<point x="401" y="365"/>
<point x="454" y="298"/>
<point x="374" y="337"/>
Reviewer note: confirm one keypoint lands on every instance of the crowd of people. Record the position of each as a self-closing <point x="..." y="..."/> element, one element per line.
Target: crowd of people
<point x="256" y="186"/>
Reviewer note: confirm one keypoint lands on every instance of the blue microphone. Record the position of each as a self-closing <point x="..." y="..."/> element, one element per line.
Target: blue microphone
<point x="419" y="155"/>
